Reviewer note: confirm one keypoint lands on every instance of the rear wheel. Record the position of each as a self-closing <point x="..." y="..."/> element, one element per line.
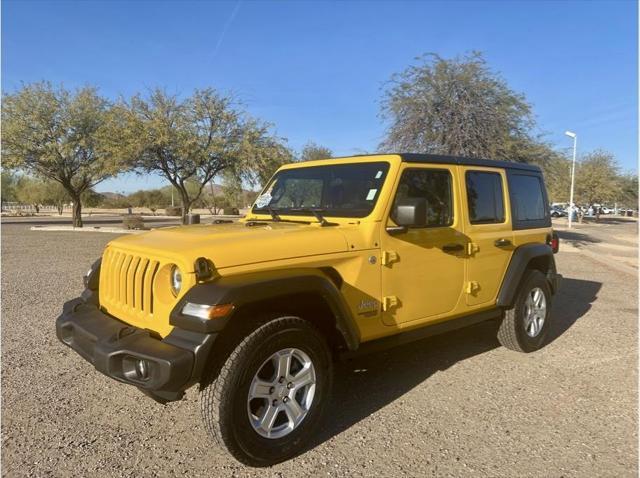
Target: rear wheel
<point x="524" y="326"/>
<point x="269" y="395"/>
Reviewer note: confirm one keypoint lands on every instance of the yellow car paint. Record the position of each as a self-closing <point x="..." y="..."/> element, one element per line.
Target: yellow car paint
<point x="390" y="283"/>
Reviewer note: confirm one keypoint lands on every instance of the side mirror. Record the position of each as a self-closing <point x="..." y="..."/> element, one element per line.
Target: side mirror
<point x="409" y="212"/>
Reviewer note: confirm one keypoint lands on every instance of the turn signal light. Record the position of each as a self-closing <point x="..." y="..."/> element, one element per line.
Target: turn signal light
<point x="206" y="311"/>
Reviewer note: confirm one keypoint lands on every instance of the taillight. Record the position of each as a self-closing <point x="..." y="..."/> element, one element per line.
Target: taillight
<point x="553" y="241"/>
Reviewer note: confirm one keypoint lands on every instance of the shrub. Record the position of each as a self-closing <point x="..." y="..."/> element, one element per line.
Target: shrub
<point x="173" y="211"/>
<point x="132" y="221"/>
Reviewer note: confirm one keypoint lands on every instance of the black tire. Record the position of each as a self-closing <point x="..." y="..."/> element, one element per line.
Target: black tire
<point x="223" y="399"/>
<point x="512" y="333"/>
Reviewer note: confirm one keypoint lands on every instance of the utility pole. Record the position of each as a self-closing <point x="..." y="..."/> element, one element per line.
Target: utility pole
<point x="573" y="173"/>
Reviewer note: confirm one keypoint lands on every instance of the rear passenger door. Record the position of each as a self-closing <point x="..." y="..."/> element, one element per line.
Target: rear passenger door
<point x="487" y="221"/>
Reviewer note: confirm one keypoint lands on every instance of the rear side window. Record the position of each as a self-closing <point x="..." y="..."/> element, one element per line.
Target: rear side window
<point x="528" y="201"/>
<point x="485" y="197"/>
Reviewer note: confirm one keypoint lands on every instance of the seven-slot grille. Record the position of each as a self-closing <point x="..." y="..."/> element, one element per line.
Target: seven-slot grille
<point x="128" y="282"/>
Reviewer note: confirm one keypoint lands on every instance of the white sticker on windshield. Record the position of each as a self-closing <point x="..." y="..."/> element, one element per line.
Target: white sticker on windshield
<point x="263" y="200"/>
<point x="372" y="194"/>
<point x="378" y="174"/>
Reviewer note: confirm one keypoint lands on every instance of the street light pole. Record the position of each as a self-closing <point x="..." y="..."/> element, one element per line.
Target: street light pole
<point x="573" y="173"/>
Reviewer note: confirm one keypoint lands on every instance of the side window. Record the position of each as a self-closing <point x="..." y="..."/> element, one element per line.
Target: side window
<point x="433" y="185"/>
<point x="485" y="197"/>
<point x="527" y="198"/>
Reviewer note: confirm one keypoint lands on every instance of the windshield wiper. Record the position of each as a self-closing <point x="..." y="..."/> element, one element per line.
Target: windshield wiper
<point x="317" y="213"/>
<point x="275" y="216"/>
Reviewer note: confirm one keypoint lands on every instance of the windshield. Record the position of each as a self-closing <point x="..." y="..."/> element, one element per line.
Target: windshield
<point x="341" y="190"/>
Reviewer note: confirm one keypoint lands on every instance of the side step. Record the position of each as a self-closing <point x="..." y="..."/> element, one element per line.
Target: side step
<point x="424" y="332"/>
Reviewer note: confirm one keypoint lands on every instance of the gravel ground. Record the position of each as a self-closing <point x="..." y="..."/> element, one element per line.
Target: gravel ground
<point x="454" y="405"/>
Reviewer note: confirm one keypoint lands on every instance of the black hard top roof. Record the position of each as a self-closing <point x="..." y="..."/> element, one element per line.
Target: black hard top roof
<point x="442" y="159"/>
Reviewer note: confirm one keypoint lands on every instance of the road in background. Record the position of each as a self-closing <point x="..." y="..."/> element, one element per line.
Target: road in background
<point x="454" y="405"/>
<point x="611" y="240"/>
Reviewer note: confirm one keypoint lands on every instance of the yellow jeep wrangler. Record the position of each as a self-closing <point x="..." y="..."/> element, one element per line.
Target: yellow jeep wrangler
<point x="336" y="257"/>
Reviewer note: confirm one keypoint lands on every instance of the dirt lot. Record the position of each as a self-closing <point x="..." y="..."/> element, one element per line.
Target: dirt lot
<point x="455" y="405"/>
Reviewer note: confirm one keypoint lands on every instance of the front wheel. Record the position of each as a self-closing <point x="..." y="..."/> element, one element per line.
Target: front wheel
<point x="524" y="326"/>
<point x="270" y="393"/>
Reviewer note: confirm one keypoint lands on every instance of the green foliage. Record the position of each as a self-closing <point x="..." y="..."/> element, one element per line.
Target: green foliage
<point x="115" y="202"/>
<point x="173" y="211"/>
<point x="232" y="190"/>
<point x="455" y="106"/>
<point x="152" y="199"/>
<point x="91" y="198"/>
<point x="557" y="178"/>
<point x="261" y="154"/>
<point x="597" y="179"/>
<point x="628" y="191"/>
<point x="59" y="135"/>
<point x="132" y="221"/>
<point x="212" y="199"/>
<point x="8" y="187"/>
<point x="41" y="192"/>
<point x="188" y="141"/>
<point x="311" y="151"/>
<point x="30" y="191"/>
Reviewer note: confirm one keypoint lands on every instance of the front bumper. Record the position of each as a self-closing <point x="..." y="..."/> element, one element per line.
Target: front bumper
<point x="116" y="349"/>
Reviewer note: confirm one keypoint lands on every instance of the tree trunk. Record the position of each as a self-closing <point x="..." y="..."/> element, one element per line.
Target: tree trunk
<point x="186" y="205"/>
<point x="77" y="212"/>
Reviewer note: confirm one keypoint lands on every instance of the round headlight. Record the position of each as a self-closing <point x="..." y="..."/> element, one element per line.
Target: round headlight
<point x="176" y="280"/>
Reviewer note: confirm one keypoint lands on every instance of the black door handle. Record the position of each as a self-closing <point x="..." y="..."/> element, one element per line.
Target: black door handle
<point x="502" y="243"/>
<point x="452" y="247"/>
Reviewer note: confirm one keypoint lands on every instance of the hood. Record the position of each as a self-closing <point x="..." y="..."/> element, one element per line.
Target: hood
<point x="236" y="244"/>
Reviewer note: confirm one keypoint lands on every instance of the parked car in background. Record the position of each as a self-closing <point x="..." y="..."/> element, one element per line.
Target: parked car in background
<point x="557" y="212"/>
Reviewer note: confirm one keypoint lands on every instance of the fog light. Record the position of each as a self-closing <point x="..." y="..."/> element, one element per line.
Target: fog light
<point x="142" y="369"/>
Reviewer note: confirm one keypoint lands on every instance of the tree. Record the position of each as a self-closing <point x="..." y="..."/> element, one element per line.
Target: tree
<point x="455" y="106"/>
<point x="30" y="191"/>
<point x="232" y="190"/>
<point x="628" y="193"/>
<point x="46" y="192"/>
<point x="213" y="200"/>
<point x="58" y="134"/>
<point x="557" y="178"/>
<point x="188" y="141"/>
<point x="154" y="199"/>
<point x="56" y="195"/>
<point x="311" y="151"/>
<point x="262" y="154"/>
<point x="91" y="198"/>
<point x="597" y="178"/>
<point x="8" y="187"/>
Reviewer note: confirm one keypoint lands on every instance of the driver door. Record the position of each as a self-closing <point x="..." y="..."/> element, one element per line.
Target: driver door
<point x="423" y="269"/>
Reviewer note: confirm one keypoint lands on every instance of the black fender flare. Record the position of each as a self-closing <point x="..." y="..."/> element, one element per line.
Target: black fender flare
<point x="520" y="260"/>
<point x="244" y="289"/>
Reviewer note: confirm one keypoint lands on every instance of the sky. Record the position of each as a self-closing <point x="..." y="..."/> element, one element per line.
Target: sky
<point x="317" y="70"/>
